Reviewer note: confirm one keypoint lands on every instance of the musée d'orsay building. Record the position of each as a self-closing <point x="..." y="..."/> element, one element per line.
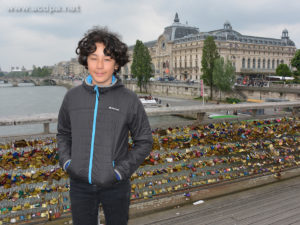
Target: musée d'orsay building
<point x="178" y="50"/>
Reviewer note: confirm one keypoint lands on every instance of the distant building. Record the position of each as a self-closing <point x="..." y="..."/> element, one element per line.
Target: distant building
<point x="69" y="68"/>
<point x="17" y="69"/>
<point x="177" y="51"/>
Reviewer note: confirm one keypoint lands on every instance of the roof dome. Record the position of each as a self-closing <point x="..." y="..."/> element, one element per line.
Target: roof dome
<point x="176" y="19"/>
<point x="178" y="30"/>
<point x="227" y="25"/>
<point x="285" y="33"/>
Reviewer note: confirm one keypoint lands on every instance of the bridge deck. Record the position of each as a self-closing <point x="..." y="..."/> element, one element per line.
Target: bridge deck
<point x="276" y="204"/>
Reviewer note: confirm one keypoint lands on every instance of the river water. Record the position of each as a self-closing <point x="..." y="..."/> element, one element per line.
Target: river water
<point x="30" y="100"/>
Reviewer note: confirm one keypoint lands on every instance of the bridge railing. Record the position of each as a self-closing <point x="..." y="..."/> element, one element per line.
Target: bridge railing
<point x="199" y="110"/>
<point x="44" y="119"/>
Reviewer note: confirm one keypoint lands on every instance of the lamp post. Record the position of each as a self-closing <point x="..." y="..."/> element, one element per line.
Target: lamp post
<point x="202" y="90"/>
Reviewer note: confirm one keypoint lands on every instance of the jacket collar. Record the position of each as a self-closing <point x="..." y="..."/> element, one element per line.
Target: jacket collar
<point x="116" y="82"/>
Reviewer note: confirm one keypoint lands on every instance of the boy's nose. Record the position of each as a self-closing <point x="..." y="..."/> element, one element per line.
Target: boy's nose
<point x="100" y="63"/>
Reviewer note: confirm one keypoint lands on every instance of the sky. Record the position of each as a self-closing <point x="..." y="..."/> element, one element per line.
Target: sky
<point x="46" y="32"/>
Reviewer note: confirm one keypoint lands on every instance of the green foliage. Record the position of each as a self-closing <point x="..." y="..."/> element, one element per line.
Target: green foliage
<point x="296" y="61"/>
<point x="41" y="72"/>
<point x="200" y="98"/>
<point x="232" y="100"/>
<point x="141" y="67"/>
<point x="17" y="74"/>
<point x="1" y="74"/>
<point x="209" y="54"/>
<point x="223" y="74"/>
<point x="283" y="70"/>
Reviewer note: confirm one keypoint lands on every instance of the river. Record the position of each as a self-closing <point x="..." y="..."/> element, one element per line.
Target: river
<point x="30" y="100"/>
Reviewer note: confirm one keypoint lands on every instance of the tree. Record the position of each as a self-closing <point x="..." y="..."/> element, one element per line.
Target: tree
<point x="296" y="61"/>
<point x="283" y="70"/>
<point x="209" y="54"/>
<point x="17" y="74"/>
<point x="223" y="75"/>
<point x="41" y="72"/>
<point x="141" y="67"/>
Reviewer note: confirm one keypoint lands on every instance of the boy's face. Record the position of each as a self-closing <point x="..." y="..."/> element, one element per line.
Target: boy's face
<point x="100" y="66"/>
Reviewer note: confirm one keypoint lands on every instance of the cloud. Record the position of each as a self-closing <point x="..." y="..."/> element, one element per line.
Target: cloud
<point x="23" y="46"/>
<point x="46" y="39"/>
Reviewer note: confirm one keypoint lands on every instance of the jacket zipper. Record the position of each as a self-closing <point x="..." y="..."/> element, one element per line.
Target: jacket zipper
<point x="93" y="134"/>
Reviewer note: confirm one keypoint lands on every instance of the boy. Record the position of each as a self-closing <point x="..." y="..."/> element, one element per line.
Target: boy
<point x="93" y="125"/>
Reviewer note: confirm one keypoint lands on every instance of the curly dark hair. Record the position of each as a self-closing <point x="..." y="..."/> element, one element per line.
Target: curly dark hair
<point x="113" y="46"/>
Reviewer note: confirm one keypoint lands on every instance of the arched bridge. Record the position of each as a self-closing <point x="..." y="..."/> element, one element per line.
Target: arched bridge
<point x="36" y="81"/>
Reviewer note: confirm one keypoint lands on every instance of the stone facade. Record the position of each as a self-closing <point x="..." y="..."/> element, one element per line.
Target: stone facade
<point x="178" y="51"/>
<point x="69" y="68"/>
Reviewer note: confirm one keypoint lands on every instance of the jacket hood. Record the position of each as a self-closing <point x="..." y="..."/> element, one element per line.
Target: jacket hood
<point x="88" y="84"/>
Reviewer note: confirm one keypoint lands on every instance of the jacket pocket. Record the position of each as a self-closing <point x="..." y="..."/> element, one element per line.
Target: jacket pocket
<point x="106" y="175"/>
<point x="103" y="173"/>
<point x="76" y="171"/>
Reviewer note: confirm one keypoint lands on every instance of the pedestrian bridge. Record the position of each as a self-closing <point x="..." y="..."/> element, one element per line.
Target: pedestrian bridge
<point x="36" y="81"/>
<point x="178" y="171"/>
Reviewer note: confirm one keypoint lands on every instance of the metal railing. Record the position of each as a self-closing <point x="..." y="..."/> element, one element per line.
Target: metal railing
<point x="200" y="110"/>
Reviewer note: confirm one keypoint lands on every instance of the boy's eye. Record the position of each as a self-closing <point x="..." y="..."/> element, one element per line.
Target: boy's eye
<point x="93" y="58"/>
<point x="107" y="59"/>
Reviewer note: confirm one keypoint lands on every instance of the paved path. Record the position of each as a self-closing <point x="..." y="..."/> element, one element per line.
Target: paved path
<point x="273" y="204"/>
<point x="175" y="101"/>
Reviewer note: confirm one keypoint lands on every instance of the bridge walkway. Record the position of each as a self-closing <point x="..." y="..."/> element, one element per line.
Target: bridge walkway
<point x="274" y="204"/>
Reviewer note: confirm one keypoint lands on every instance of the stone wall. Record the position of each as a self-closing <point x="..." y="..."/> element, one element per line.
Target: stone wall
<point x="191" y="91"/>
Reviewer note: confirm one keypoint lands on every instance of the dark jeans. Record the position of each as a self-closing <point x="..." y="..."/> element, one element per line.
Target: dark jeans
<point x="85" y="200"/>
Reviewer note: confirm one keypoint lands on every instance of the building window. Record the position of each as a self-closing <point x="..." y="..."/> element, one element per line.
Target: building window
<point x="264" y="63"/>
<point x="273" y="64"/>
<point x="258" y="63"/>
<point x="243" y="63"/>
<point x="268" y="63"/>
<point x="253" y="64"/>
<point x="277" y="62"/>
<point x="248" y="64"/>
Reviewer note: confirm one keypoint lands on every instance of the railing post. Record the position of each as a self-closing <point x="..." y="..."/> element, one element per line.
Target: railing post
<point x="46" y="128"/>
<point x="295" y="111"/>
<point x="254" y="112"/>
<point x="200" y="116"/>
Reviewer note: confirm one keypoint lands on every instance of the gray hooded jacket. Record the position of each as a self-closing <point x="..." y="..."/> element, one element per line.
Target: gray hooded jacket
<point x="93" y="127"/>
